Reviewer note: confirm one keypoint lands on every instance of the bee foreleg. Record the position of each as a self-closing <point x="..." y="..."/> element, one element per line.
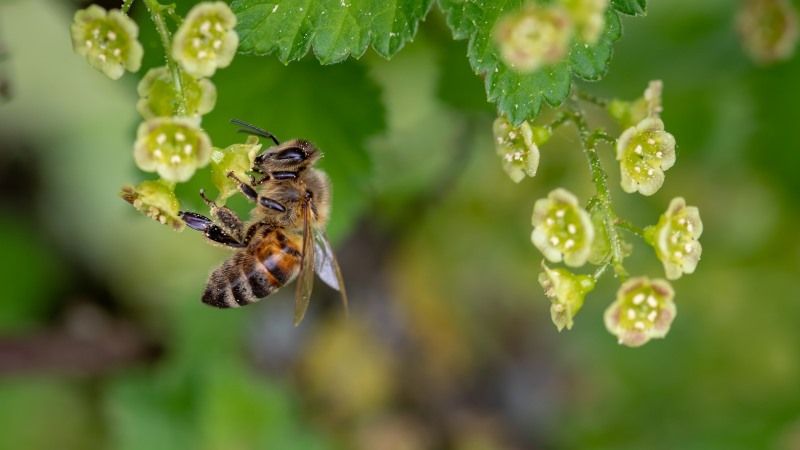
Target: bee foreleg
<point x="245" y="188"/>
<point x="211" y="230"/>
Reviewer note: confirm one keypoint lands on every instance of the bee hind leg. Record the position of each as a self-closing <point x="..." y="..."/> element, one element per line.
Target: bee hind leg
<point x="212" y="231"/>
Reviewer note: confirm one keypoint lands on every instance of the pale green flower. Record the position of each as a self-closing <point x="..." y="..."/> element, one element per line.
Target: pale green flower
<point x="675" y="238"/>
<point x="534" y="36"/>
<point x="644" y="152"/>
<point x="108" y="40"/>
<point x="206" y="39"/>
<point x="566" y="292"/>
<point x="768" y="29"/>
<point x="175" y="147"/>
<point x="155" y="199"/>
<point x="157" y="96"/>
<point x="649" y="104"/>
<point x="642" y="311"/>
<point x="562" y="229"/>
<point x="589" y="18"/>
<point x="236" y="158"/>
<point x="517" y="148"/>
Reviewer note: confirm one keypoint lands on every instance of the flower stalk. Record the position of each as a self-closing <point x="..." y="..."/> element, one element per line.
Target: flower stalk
<point x="156" y="10"/>
<point x="589" y="142"/>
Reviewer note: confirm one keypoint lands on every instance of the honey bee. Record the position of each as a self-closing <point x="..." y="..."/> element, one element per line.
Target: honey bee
<point x="285" y="238"/>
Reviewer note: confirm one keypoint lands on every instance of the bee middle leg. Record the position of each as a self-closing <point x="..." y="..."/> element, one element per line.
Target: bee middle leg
<point x="225" y="218"/>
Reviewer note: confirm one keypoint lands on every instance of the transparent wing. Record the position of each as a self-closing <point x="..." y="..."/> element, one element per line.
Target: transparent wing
<point x="305" y="280"/>
<point x="326" y="266"/>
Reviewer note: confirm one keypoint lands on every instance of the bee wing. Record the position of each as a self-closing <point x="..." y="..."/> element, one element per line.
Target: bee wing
<point x="305" y="281"/>
<point x="326" y="266"/>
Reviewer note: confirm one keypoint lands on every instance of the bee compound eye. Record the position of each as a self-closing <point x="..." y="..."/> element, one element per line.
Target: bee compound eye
<point x="292" y="154"/>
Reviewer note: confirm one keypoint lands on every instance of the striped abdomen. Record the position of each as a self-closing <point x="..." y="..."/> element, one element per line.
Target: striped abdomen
<point x="255" y="272"/>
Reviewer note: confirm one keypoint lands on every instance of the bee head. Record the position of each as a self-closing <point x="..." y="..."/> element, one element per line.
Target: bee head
<point x="293" y="155"/>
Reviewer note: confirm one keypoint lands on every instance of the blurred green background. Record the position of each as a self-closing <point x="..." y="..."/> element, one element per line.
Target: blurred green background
<point x="104" y="343"/>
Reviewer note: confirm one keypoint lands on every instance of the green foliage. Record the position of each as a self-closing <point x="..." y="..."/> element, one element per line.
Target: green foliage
<point x="520" y="96"/>
<point x="334" y="29"/>
<point x="631" y="7"/>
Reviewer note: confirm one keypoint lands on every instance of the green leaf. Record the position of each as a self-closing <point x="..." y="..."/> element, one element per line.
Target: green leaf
<point x="520" y="96"/>
<point x="630" y="7"/>
<point x="335" y="29"/>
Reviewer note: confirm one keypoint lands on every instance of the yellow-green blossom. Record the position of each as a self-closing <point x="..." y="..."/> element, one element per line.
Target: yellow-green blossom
<point x="517" y="148"/>
<point x="108" y="40"/>
<point x="206" y="39"/>
<point x="768" y="29"/>
<point x="644" y="152"/>
<point x="562" y="229"/>
<point x="236" y="158"/>
<point x="155" y="199"/>
<point x="644" y="309"/>
<point x="172" y="146"/>
<point x="675" y="238"/>
<point x="588" y="17"/>
<point x="534" y="36"/>
<point x="157" y="96"/>
<point x="566" y="292"/>
<point x="649" y="104"/>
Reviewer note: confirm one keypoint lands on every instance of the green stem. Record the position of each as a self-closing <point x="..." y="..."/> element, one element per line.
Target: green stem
<point x="627" y="226"/>
<point x="590" y="98"/>
<point x="600" y="180"/>
<point x="126" y="6"/>
<point x="601" y="270"/>
<point x="156" y="9"/>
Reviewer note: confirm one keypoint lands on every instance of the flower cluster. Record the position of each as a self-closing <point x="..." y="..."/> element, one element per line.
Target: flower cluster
<point x="108" y="40"/>
<point x="564" y="231"/>
<point x="536" y="35"/>
<point x="172" y="98"/>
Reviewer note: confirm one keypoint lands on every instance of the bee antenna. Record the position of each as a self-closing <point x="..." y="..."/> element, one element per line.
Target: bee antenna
<point x="254" y="130"/>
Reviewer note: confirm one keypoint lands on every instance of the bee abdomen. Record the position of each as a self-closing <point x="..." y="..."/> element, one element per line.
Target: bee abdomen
<point x="240" y="281"/>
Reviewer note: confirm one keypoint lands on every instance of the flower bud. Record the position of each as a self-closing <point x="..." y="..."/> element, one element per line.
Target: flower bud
<point x="566" y="292"/>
